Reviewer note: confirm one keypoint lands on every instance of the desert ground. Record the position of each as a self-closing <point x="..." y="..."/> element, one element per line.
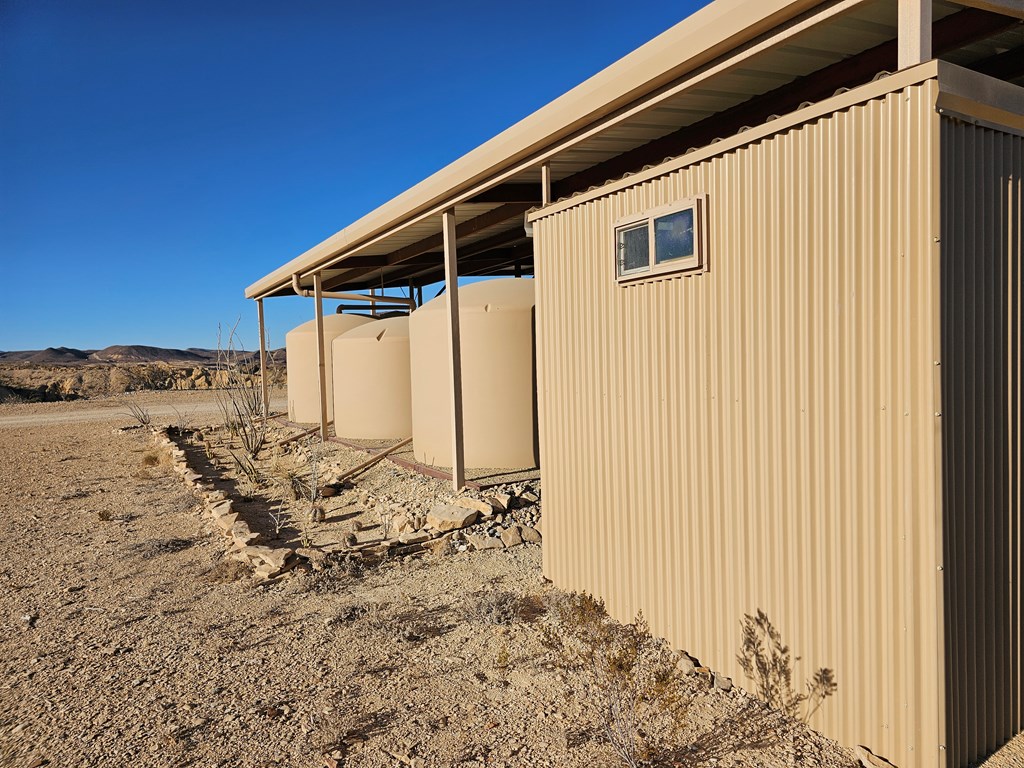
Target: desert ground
<point x="131" y="638"/>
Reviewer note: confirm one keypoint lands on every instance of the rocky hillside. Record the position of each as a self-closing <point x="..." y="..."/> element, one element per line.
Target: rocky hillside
<point x="61" y="373"/>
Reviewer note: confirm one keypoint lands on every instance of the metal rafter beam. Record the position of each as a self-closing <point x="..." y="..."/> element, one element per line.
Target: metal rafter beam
<point x="478" y="264"/>
<point x="484" y="221"/>
<point x="423" y="260"/>
<point x="1006" y="66"/>
<point x="959" y="29"/>
<point x="510" y="192"/>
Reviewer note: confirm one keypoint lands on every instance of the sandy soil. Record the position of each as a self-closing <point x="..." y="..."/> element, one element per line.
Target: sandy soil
<point x="128" y="639"/>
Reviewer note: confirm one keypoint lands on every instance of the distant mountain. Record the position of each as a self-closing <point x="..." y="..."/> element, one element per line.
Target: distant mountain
<point x="50" y="355"/>
<point x="124" y="354"/>
<point x="138" y="353"/>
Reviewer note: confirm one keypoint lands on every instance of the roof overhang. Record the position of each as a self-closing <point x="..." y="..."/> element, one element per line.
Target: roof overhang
<point x="652" y="98"/>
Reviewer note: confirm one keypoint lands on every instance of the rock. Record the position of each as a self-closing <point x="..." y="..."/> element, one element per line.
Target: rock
<point x="478" y="505"/>
<point x="242" y="536"/>
<point x="327" y="491"/>
<point x="502" y="501"/>
<point x="687" y="664"/>
<point x="193" y="477"/>
<point x="439" y="544"/>
<point x="218" y="508"/>
<point x="448" y="517"/>
<point x="401" y="523"/>
<point x="869" y="759"/>
<point x="226" y="522"/>
<point x="723" y="683"/>
<point x="510" y="537"/>
<point x="276" y="557"/>
<point x="265" y="572"/>
<point x="530" y="534"/>
<point x="479" y="541"/>
<point x="529" y="497"/>
<point x="414" y="537"/>
<point x="316" y="557"/>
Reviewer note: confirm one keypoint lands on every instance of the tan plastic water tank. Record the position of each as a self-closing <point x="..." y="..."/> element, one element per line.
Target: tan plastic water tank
<point x="498" y="379"/>
<point x="302" y="369"/>
<point x="372" y="390"/>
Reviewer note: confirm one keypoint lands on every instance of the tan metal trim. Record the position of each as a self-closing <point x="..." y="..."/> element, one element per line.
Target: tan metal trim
<point x="980" y="99"/>
<point x="321" y="354"/>
<point x="545" y="183"/>
<point x="264" y="390"/>
<point x="578" y="115"/>
<point x="897" y="82"/>
<point x="451" y="277"/>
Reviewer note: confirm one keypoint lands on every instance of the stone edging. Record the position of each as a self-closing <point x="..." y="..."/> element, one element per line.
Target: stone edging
<point x="269" y="563"/>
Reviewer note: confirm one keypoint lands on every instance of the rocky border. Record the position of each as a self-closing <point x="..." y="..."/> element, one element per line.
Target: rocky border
<point x="268" y="562"/>
<point x="467" y="523"/>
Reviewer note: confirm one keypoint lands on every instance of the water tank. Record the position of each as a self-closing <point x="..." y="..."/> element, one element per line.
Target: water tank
<point x="372" y="390"/>
<point x="302" y="369"/>
<point x="498" y="378"/>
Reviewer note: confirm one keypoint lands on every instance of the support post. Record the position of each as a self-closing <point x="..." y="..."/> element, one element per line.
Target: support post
<point x="321" y="354"/>
<point x="451" y="278"/>
<point x="545" y="184"/>
<point x="265" y="390"/>
<point x="915" y="32"/>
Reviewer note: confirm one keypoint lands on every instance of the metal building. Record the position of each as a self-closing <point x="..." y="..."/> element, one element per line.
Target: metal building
<point x="777" y="257"/>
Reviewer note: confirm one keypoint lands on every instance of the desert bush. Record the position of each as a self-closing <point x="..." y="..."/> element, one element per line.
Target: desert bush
<point x="768" y="663"/>
<point x="137" y="411"/>
<point x="632" y="673"/>
<point x="494" y="608"/>
<point x="240" y="396"/>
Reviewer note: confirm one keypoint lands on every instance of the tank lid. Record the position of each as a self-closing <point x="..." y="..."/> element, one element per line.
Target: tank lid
<point x="502" y="294"/>
<point x="333" y="323"/>
<point x="389" y="329"/>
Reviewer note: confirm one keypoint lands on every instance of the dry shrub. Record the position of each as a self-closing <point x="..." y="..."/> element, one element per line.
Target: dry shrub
<point x="498" y="608"/>
<point x="633" y="674"/>
<point x="768" y="662"/>
<point x="156" y="457"/>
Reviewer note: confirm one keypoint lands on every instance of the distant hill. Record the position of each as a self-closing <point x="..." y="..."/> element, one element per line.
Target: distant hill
<point x="121" y="354"/>
<point x="137" y="353"/>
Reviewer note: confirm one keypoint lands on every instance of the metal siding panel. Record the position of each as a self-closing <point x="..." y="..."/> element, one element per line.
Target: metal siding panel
<point x="981" y="342"/>
<point x="763" y="435"/>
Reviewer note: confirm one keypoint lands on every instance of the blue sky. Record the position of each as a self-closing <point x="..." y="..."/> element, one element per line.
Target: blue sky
<point x="158" y="156"/>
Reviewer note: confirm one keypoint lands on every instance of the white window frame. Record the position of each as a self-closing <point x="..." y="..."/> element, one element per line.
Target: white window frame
<point x="694" y="264"/>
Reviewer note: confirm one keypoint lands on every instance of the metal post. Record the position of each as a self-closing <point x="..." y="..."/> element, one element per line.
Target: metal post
<point x="321" y="355"/>
<point x="915" y="32"/>
<point x="545" y="184"/>
<point x="263" y="359"/>
<point x="451" y="277"/>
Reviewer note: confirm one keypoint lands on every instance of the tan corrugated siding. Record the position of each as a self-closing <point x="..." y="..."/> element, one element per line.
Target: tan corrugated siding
<point x="981" y="330"/>
<point x="764" y="435"/>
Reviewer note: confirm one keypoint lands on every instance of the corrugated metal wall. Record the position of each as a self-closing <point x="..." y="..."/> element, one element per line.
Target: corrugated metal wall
<point x="765" y="435"/>
<point x="981" y="333"/>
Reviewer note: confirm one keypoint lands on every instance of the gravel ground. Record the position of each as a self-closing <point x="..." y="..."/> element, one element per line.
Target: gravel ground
<point x="128" y="639"/>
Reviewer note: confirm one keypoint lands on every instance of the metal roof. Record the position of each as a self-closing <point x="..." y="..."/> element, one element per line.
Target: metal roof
<point x="709" y="72"/>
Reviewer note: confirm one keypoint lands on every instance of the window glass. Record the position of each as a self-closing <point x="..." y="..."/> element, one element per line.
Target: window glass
<point x="673" y="236"/>
<point x="634" y="248"/>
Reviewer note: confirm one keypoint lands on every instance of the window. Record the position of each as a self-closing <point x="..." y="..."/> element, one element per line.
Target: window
<point x="662" y="240"/>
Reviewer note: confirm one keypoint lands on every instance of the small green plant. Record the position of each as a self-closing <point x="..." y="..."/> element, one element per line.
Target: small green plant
<point x="768" y="663"/>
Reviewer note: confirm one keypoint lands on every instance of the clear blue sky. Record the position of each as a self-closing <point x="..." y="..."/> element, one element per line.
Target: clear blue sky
<point x="157" y="156"/>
